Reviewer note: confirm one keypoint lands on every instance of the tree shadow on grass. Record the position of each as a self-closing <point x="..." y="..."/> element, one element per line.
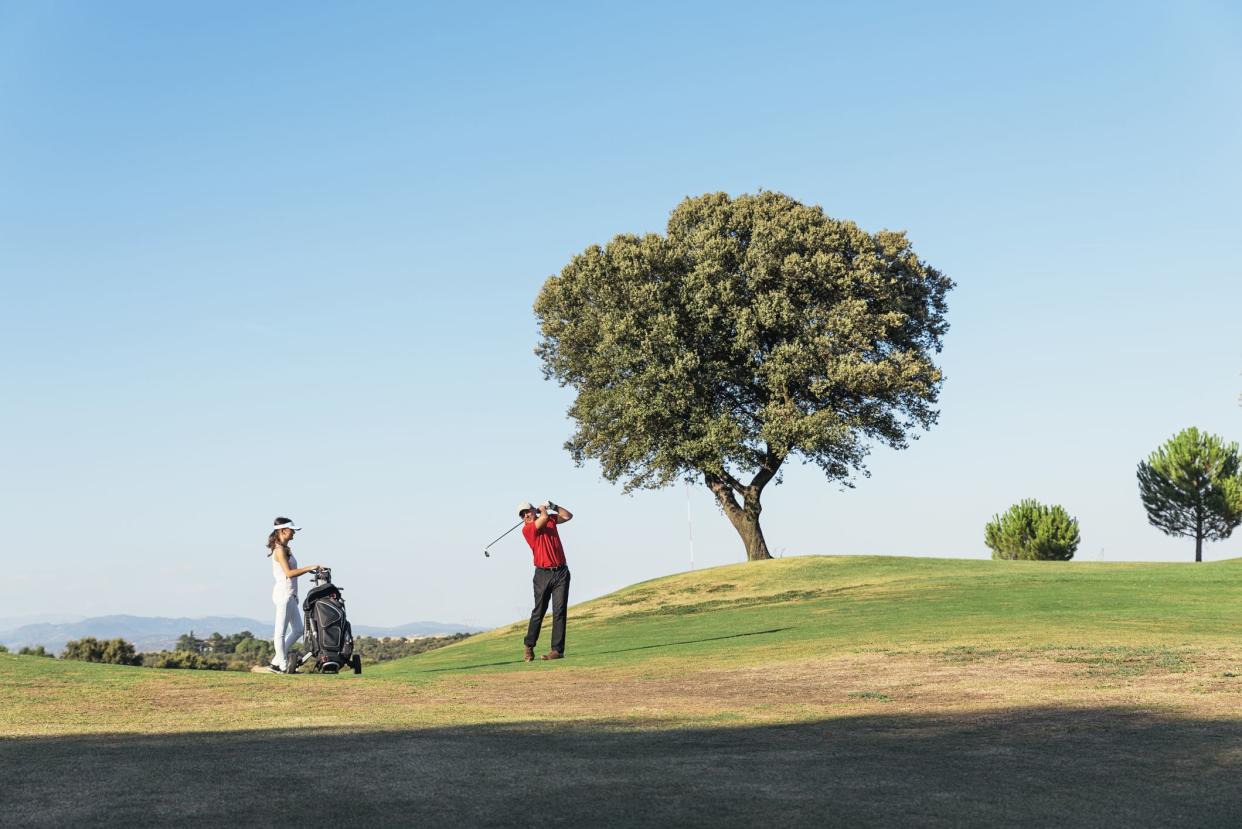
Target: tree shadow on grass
<point x="618" y="650"/>
<point x="693" y="641"/>
<point x="1030" y="767"/>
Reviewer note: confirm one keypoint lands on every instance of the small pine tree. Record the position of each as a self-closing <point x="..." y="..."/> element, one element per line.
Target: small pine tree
<point x="1192" y="487"/>
<point x="1030" y="531"/>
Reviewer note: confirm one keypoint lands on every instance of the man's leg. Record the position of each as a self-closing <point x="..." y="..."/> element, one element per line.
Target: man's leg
<point x="560" y="607"/>
<point x="542" y="583"/>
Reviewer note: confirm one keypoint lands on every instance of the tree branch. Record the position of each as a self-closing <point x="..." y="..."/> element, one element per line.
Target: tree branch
<point x="768" y="468"/>
<point x="722" y="489"/>
<point x="728" y="480"/>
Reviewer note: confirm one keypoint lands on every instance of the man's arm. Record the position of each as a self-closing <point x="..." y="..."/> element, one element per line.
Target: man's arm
<point x="562" y="515"/>
<point x="542" y="520"/>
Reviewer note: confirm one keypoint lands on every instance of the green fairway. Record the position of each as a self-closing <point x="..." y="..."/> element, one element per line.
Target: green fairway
<point x="804" y="691"/>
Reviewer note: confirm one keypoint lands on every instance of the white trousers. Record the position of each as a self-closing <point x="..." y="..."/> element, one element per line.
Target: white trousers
<point x="289" y="629"/>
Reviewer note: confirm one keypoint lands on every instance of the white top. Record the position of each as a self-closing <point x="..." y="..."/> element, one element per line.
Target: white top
<point x="285" y="586"/>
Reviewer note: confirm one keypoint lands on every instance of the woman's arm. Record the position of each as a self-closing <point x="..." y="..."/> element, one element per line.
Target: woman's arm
<point x="282" y="558"/>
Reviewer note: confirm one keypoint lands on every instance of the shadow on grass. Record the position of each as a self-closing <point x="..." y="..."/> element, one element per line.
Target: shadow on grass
<point x="693" y="641"/>
<point x="618" y="650"/>
<point x="1025" y="767"/>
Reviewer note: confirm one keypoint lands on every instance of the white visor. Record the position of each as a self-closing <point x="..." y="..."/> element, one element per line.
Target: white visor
<point x="288" y="525"/>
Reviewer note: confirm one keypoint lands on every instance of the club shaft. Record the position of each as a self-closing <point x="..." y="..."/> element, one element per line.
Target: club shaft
<point x="503" y="534"/>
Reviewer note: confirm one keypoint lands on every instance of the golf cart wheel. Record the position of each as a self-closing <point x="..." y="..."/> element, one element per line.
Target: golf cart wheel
<point x="357" y="663"/>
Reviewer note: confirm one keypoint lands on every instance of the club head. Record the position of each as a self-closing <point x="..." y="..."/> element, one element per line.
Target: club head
<point x="486" y="554"/>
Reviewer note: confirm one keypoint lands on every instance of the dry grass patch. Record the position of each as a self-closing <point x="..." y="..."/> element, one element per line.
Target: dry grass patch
<point x="1187" y="680"/>
<point x="1203" y="682"/>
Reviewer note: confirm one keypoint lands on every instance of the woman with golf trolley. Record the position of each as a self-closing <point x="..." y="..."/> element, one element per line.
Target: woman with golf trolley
<point x="285" y="570"/>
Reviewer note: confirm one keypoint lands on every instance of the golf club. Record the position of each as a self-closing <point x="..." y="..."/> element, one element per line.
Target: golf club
<point x="502" y="535"/>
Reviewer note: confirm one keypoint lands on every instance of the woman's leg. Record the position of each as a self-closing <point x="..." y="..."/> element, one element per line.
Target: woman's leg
<point x="294" y="621"/>
<point x="280" y="660"/>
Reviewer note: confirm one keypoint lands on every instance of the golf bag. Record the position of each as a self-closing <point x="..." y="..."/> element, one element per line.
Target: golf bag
<point x="329" y="639"/>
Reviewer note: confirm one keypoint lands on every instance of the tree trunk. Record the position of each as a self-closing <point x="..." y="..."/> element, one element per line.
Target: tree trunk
<point x="1198" y="548"/>
<point x="746" y="522"/>
<point x="744" y="517"/>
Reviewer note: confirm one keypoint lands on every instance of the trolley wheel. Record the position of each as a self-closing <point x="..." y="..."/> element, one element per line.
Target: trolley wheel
<point x="357" y="662"/>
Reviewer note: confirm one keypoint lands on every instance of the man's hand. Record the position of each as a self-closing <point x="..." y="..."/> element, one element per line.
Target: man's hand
<point x="562" y="515"/>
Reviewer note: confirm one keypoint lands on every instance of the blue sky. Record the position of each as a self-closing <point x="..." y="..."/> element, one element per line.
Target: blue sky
<point x="281" y="260"/>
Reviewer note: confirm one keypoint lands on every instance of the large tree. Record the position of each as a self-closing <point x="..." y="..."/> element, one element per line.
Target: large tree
<point x="755" y="329"/>
<point x="1192" y="487"/>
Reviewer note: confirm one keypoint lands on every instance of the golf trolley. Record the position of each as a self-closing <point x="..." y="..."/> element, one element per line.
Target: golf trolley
<point x="329" y="638"/>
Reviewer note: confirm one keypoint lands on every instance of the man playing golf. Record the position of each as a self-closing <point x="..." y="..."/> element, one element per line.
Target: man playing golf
<point x="551" y="573"/>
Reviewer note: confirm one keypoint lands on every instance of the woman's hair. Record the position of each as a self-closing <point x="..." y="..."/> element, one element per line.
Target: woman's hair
<point x="273" y="538"/>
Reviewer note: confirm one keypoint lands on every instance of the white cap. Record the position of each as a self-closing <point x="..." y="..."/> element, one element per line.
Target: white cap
<point x="524" y="506"/>
<point x="288" y="525"/>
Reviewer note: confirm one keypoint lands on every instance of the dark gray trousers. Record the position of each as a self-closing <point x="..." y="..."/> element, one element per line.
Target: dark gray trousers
<point x="549" y="585"/>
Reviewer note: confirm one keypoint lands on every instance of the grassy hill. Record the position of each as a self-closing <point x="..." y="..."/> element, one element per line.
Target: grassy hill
<point x="804" y="691"/>
<point x="795" y="607"/>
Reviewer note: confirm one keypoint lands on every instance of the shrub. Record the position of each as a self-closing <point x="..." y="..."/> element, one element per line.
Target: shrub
<point x="235" y="652"/>
<point x="39" y="651"/>
<point x="251" y="651"/>
<point x="1030" y="531"/>
<point x="112" y="652"/>
<point x="395" y="647"/>
<point x="184" y="659"/>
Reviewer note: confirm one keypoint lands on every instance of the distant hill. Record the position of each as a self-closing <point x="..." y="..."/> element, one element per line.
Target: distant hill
<point x="157" y="633"/>
<point x="12" y="622"/>
<point x="148" y="633"/>
<point x="414" y="629"/>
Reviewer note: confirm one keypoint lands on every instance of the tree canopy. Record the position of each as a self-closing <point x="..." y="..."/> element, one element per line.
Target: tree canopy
<point x="755" y="329"/>
<point x="1192" y="487"/>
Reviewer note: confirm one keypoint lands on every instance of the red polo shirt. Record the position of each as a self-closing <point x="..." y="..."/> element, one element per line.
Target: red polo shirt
<point x="545" y="544"/>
